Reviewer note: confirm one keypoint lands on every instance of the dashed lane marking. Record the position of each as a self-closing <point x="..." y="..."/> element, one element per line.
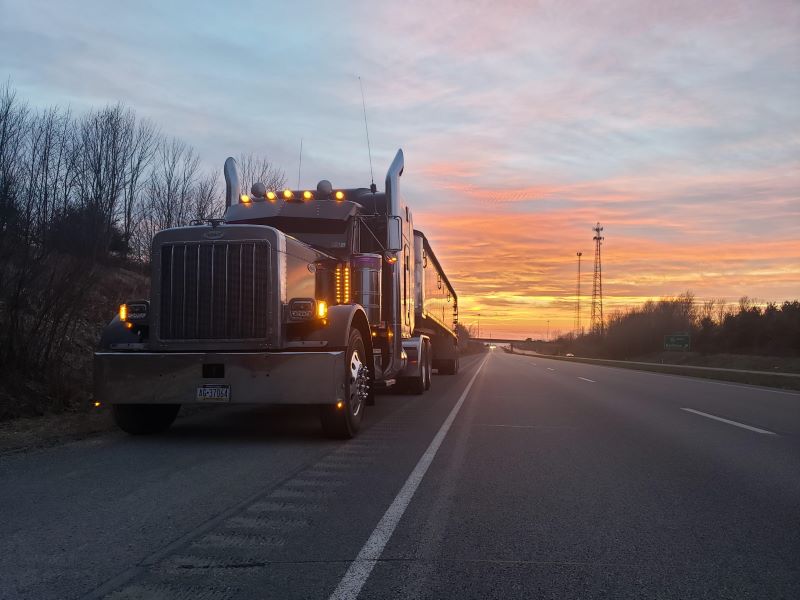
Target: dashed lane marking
<point x="729" y="422"/>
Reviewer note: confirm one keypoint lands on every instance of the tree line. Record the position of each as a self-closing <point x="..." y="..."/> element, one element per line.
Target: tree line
<point x="713" y="325"/>
<point x="81" y="192"/>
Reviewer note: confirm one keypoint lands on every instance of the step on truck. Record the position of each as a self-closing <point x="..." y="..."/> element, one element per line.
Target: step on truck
<point x="318" y="296"/>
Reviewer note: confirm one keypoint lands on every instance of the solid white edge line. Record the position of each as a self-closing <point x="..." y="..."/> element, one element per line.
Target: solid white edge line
<point x="729" y="422"/>
<point x="359" y="571"/>
<point x="586" y="379"/>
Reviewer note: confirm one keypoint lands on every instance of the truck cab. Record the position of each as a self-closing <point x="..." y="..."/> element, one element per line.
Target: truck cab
<point x="295" y="296"/>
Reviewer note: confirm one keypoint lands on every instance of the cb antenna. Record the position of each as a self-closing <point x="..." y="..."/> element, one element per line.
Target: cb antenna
<point x="300" y="165"/>
<point x="372" y="187"/>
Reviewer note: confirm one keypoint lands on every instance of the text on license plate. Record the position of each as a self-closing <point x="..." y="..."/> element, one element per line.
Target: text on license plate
<point x="214" y="393"/>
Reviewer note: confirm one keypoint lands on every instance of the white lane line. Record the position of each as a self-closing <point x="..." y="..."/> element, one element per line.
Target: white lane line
<point x="360" y="569"/>
<point x="527" y="426"/>
<point x="729" y="422"/>
<point x="550" y="369"/>
<point x="589" y="380"/>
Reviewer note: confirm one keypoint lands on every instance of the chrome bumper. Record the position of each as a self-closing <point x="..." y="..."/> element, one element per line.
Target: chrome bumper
<point x="253" y="377"/>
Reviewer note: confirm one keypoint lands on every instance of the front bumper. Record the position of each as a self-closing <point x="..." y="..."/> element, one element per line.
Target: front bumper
<point x="253" y="377"/>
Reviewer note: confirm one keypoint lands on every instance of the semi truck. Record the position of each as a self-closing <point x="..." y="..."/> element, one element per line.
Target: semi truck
<point x="319" y="296"/>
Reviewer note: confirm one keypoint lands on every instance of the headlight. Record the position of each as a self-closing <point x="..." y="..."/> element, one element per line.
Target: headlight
<point x="305" y="309"/>
<point x="135" y="311"/>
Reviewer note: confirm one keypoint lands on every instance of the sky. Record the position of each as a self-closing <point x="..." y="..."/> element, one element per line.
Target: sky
<point x="676" y="125"/>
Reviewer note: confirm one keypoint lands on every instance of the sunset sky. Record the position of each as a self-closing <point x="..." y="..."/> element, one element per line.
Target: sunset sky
<point x="674" y="124"/>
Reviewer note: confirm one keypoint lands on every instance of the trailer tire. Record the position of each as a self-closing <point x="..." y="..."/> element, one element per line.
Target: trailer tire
<point x="449" y="366"/>
<point x="343" y="423"/>
<point x="144" y="419"/>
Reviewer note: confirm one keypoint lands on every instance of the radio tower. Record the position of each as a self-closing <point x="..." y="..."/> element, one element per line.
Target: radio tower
<point x="578" y="298"/>
<point x="597" y="286"/>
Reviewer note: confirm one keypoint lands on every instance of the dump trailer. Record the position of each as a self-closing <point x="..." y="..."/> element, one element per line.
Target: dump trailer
<point x="317" y="296"/>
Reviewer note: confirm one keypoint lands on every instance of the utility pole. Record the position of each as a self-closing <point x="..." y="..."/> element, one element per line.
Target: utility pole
<point x="598" y="325"/>
<point x="479" y="325"/>
<point x="548" y="330"/>
<point x="578" y="298"/>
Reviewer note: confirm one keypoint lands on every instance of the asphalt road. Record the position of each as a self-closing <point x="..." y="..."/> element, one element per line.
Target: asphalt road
<point x="518" y="478"/>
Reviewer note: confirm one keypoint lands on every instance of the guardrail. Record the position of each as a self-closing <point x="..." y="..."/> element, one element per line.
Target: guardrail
<point x="767" y="378"/>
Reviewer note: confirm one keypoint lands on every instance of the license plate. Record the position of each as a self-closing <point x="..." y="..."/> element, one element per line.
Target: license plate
<point x="214" y="393"/>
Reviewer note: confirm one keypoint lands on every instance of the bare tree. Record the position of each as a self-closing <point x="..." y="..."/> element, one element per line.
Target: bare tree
<point x="169" y="197"/>
<point x="253" y="169"/>
<point x="106" y="144"/>
<point x="13" y="127"/>
<point x="208" y="197"/>
<point x="139" y="158"/>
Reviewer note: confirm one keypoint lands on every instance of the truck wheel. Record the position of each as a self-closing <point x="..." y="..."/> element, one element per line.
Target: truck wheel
<point x="142" y="419"/>
<point x="428" y="369"/>
<point x="344" y="422"/>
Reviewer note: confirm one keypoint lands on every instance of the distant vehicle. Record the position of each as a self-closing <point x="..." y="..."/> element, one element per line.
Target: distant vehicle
<point x="492" y="346"/>
<point x="294" y="297"/>
<point x="569" y="355"/>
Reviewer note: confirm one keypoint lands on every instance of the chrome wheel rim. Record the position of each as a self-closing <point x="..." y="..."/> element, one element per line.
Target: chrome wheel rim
<point x="359" y="383"/>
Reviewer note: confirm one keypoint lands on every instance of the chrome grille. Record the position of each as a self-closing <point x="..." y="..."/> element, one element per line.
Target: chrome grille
<point x="213" y="290"/>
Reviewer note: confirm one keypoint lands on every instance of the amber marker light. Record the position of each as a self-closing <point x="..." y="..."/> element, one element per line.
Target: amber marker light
<point x="340" y="405"/>
<point x="245" y="199"/>
<point x="322" y="309"/>
<point x="288" y="194"/>
<point x="123" y="312"/>
<point x="96" y="404"/>
<point x="271" y="196"/>
<point x="340" y="195"/>
<point x="307" y="195"/>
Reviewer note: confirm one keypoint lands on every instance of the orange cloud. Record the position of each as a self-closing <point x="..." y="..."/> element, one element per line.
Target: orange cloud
<point x="519" y="270"/>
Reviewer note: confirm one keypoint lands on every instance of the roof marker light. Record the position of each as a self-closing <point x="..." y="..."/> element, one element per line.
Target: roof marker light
<point x="271" y="196"/>
<point x="340" y="195"/>
<point x="288" y="194"/>
<point x="244" y="199"/>
<point x="308" y="195"/>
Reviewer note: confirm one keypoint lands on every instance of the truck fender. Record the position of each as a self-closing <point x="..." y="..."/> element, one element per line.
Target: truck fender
<point x="117" y="333"/>
<point x="414" y="350"/>
<point x="337" y="332"/>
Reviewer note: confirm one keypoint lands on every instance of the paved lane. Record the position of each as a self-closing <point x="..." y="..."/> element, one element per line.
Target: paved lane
<point x="199" y="512"/>
<point x="552" y="486"/>
<point x="554" y="480"/>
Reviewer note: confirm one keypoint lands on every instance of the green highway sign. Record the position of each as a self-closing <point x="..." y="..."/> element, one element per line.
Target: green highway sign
<point x="677" y="341"/>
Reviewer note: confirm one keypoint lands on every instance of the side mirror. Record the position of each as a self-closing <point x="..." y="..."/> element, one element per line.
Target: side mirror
<point x="394" y="236"/>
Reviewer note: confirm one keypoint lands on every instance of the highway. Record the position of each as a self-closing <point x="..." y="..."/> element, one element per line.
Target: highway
<point x="520" y="477"/>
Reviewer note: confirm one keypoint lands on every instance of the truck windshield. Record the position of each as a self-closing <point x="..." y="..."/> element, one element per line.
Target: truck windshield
<point x="328" y="234"/>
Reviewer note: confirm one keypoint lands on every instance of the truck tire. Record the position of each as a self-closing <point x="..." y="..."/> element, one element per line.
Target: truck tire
<point x="143" y="419"/>
<point x="428" y="368"/>
<point x="344" y="422"/>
